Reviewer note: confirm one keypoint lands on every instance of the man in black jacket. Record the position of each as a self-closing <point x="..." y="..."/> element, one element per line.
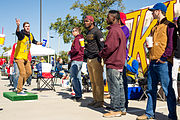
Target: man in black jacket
<point x="95" y="44"/>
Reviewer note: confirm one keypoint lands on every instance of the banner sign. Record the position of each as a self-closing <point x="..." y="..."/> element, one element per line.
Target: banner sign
<point x="44" y="42"/>
<point x="139" y="33"/>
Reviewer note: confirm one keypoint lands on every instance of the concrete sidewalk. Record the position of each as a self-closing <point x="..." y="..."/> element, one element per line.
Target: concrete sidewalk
<point x="58" y="106"/>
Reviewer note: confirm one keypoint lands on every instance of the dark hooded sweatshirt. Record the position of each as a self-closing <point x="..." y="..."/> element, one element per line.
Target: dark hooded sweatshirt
<point x="77" y="50"/>
<point x="114" y="51"/>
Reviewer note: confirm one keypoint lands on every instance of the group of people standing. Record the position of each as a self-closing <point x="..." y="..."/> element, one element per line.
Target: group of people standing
<point x="114" y="54"/>
<point x="97" y="51"/>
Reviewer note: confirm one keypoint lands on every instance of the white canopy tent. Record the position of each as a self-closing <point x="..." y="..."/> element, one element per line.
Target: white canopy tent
<point x="36" y="50"/>
<point x="7" y="53"/>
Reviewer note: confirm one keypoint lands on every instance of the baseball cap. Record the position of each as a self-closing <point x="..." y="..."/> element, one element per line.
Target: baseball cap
<point x="159" y="6"/>
<point x="123" y="17"/>
<point x="90" y="18"/>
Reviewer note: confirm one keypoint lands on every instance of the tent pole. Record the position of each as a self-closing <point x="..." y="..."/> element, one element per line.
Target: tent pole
<point x="48" y="43"/>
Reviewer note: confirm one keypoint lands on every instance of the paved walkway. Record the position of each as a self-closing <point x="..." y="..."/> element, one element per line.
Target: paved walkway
<point x="58" y="106"/>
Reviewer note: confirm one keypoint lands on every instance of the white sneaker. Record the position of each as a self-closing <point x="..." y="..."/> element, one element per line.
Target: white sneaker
<point x="22" y="93"/>
<point x="15" y="90"/>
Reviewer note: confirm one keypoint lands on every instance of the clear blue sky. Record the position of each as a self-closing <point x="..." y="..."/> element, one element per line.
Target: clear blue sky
<point x="29" y="10"/>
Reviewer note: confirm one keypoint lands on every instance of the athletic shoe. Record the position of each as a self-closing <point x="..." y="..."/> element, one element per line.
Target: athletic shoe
<point x="92" y="103"/>
<point x="112" y="114"/>
<point x="144" y="117"/>
<point x="98" y="104"/>
<point x="14" y="89"/>
<point x="78" y="99"/>
<point x="21" y="93"/>
<point x="107" y="96"/>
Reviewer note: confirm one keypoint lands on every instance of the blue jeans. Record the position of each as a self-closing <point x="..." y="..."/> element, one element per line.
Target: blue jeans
<point x="104" y="73"/>
<point x="16" y="75"/>
<point x="116" y="89"/>
<point x="75" y="72"/>
<point x="11" y="79"/>
<point x="160" y="72"/>
<point x="125" y="87"/>
<point x="29" y="80"/>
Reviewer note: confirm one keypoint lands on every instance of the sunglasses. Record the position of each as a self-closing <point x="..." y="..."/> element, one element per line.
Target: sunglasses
<point x="74" y="30"/>
<point x="87" y="21"/>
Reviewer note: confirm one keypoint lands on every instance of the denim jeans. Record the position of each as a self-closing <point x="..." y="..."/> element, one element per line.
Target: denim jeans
<point x="16" y="75"/>
<point x="125" y="87"/>
<point x="29" y="80"/>
<point x="75" y="72"/>
<point x="11" y="80"/>
<point x="116" y="89"/>
<point x="160" y="72"/>
<point x="104" y="73"/>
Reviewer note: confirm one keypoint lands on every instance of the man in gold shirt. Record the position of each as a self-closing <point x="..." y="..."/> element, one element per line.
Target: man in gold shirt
<point x="25" y="38"/>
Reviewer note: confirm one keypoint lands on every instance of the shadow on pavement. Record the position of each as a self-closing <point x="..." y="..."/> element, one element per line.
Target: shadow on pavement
<point x="87" y="100"/>
<point x="84" y="102"/>
<point x="41" y="89"/>
<point x="64" y="95"/>
<point x="131" y="110"/>
<point x="4" y="79"/>
<point x="139" y="112"/>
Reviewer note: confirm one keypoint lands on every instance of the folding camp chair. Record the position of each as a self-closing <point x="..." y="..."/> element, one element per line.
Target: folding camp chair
<point x="45" y="76"/>
<point x="144" y="88"/>
<point x="161" y="96"/>
<point x="57" y="75"/>
<point x="143" y="84"/>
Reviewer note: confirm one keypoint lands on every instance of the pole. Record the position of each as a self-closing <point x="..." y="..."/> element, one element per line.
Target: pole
<point x="15" y="38"/>
<point x="58" y="46"/>
<point x="40" y="19"/>
<point x="48" y="43"/>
